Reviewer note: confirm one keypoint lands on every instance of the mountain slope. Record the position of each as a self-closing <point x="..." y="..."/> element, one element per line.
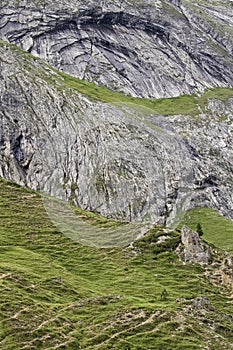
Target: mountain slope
<point x="124" y="158"/>
<point x="57" y="294"/>
<point x="150" y="163"/>
<point x="143" y="48"/>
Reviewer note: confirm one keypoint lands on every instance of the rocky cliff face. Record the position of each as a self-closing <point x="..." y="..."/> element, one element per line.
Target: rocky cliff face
<point x="120" y="159"/>
<point x="143" y="48"/>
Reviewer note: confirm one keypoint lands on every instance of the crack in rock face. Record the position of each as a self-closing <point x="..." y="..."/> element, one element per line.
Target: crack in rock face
<point x="151" y="49"/>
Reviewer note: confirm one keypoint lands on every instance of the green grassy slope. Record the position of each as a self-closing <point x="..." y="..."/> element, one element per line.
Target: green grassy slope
<point x="57" y="294"/>
<point x="185" y="104"/>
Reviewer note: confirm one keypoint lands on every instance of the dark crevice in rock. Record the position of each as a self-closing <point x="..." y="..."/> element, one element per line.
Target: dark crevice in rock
<point x="17" y="149"/>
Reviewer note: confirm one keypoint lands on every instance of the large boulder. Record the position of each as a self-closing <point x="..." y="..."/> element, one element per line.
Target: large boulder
<point x="195" y="250"/>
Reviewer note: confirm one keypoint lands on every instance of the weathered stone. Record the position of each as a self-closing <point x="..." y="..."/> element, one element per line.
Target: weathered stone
<point x="203" y="302"/>
<point x="195" y="251"/>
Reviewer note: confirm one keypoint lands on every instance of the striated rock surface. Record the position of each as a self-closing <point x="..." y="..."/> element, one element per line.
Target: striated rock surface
<point x="120" y="159"/>
<point x="195" y="251"/>
<point x="143" y="48"/>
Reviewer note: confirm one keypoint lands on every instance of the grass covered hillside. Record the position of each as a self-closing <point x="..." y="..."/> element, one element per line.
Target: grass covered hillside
<point x="58" y="294"/>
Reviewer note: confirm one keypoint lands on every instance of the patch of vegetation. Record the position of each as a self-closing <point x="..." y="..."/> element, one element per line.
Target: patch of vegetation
<point x="96" y="219"/>
<point x="177" y="105"/>
<point x="56" y="293"/>
<point x="100" y="183"/>
<point x="185" y="104"/>
<point x="173" y="11"/>
<point x="222" y="94"/>
<point x="157" y="241"/>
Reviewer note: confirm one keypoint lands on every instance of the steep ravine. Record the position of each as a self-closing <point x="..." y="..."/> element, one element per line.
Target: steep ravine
<point x="147" y="49"/>
<point x="123" y="159"/>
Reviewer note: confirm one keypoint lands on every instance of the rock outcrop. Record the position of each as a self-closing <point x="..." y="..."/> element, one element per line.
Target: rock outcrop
<point x="120" y="159"/>
<point x="202" y="303"/>
<point x="143" y="48"/>
<point x="195" y="251"/>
